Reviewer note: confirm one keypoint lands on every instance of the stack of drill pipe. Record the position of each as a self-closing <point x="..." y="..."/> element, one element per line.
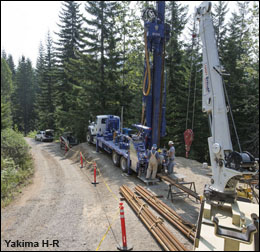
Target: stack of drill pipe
<point x="180" y="186"/>
<point x="167" y="240"/>
<point x="185" y="227"/>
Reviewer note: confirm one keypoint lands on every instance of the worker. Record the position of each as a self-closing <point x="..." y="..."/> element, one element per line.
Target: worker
<point x="153" y="157"/>
<point x="171" y="157"/>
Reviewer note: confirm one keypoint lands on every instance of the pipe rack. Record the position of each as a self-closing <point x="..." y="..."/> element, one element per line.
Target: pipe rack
<point x="187" y="228"/>
<point x="155" y="225"/>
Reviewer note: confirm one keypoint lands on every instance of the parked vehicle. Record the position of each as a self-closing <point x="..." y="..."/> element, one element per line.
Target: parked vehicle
<point x="69" y="139"/>
<point x="97" y="127"/>
<point x="44" y="135"/>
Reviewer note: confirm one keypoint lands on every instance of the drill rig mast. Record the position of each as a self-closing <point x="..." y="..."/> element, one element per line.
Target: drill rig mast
<point x="156" y="34"/>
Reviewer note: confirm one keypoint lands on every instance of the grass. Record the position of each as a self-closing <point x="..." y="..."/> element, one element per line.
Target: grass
<point x="13" y="179"/>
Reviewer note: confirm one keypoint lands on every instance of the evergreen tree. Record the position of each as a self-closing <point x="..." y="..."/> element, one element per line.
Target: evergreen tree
<point x="46" y="80"/>
<point x="249" y="62"/>
<point x="101" y="38"/>
<point x="23" y="98"/>
<point x="177" y="81"/>
<point x="195" y="118"/>
<point x="11" y="65"/>
<point x="219" y="13"/>
<point x="236" y="51"/>
<point x="67" y="47"/>
<point x="6" y="90"/>
<point x="133" y="56"/>
<point x="4" y="54"/>
<point x="39" y="75"/>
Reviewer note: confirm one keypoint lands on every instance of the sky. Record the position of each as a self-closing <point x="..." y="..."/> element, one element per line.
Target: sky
<point x="24" y="24"/>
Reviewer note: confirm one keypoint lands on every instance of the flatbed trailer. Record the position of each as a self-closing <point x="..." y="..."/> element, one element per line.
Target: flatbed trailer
<point x="119" y="155"/>
<point x="129" y="154"/>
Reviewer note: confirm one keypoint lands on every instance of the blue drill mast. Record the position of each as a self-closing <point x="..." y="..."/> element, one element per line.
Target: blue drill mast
<point x="129" y="150"/>
<point x="154" y="87"/>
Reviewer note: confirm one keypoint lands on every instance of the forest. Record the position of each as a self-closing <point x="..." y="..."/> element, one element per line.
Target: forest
<point x="96" y="67"/>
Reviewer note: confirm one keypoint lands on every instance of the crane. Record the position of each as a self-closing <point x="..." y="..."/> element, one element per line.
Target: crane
<point x="224" y="223"/>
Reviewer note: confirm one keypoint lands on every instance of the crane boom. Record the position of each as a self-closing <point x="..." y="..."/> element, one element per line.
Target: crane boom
<point x="222" y="216"/>
<point x="227" y="165"/>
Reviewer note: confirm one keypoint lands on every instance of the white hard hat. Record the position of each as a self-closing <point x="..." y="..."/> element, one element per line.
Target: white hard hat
<point x="170" y="142"/>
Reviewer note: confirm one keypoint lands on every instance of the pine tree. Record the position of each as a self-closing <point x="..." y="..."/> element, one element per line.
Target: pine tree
<point x="23" y="97"/>
<point x="39" y="75"/>
<point x="101" y="38"/>
<point x="68" y="45"/>
<point x="46" y="80"/>
<point x="249" y="62"/>
<point x="219" y="13"/>
<point x="133" y="56"/>
<point x="236" y="51"/>
<point x="50" y="80"/>
<point x="3" y="54"/>
<point x="177" y="81"/>
<point x="6" y="90"/>
<point x="11" y="65"/>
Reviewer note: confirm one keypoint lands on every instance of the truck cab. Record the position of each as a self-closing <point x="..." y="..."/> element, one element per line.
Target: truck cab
<point x="97" y="127"/>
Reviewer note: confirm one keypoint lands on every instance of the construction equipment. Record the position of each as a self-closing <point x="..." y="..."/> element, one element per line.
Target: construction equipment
<point x="100" y="127"/>
<point x="129" y="151"/>
<point x="224" y="223"/>
<point x="156" y="34"/>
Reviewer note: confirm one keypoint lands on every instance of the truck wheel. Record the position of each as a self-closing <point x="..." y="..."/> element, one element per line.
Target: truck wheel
<point x="89" y="138"/>
<point x="123" y="164"/>
<point x="115" y="159"/>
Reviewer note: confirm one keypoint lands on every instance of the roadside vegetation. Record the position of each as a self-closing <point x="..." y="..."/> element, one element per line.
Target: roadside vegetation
<point x="32" y="134"/>
<point x="16" y="165"/>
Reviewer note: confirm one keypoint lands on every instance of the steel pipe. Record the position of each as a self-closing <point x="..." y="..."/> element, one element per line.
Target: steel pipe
<point x="166" y="239"/>
<point x="187" y="228"/>
<point x="180" y="186"/>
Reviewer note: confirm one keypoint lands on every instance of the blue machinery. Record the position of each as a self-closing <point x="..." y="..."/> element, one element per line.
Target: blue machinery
<point x="156" y="33"/>
<point x="130" y="153"/>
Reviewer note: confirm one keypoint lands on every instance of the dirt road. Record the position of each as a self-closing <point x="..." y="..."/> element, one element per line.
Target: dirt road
<point x="62" y="205"/>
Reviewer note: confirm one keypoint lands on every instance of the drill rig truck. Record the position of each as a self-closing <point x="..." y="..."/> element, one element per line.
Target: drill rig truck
<point x="129" y="150"/>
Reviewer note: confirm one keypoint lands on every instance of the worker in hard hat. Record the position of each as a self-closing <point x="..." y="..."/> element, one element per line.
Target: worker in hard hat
<point x="153" y="157"/>
<point x="171" y="157"/>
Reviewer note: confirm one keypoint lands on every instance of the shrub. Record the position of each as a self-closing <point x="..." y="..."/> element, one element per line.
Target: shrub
<point x="32" y="134"/>
<point x="16" y="164"/>
<point x="15" y="147"/>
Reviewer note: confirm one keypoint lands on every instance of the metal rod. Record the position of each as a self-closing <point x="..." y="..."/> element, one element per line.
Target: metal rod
<point x="182" y="187"/>
<point x="186" y="228"/>
<point x="166" y="239"/>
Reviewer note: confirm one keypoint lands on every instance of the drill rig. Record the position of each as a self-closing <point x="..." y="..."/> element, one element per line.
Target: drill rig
<point x="156" y="34"/>
<point x="224" y="223"/>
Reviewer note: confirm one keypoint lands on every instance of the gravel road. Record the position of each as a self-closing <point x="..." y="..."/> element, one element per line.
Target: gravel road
<point x="62" y="205"/>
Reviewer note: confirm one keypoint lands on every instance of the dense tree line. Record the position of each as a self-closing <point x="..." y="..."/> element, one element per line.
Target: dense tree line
<point x="96" y="67"/>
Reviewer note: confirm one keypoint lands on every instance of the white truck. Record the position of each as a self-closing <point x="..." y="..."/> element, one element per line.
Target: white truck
<point x="97" y="127"/>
